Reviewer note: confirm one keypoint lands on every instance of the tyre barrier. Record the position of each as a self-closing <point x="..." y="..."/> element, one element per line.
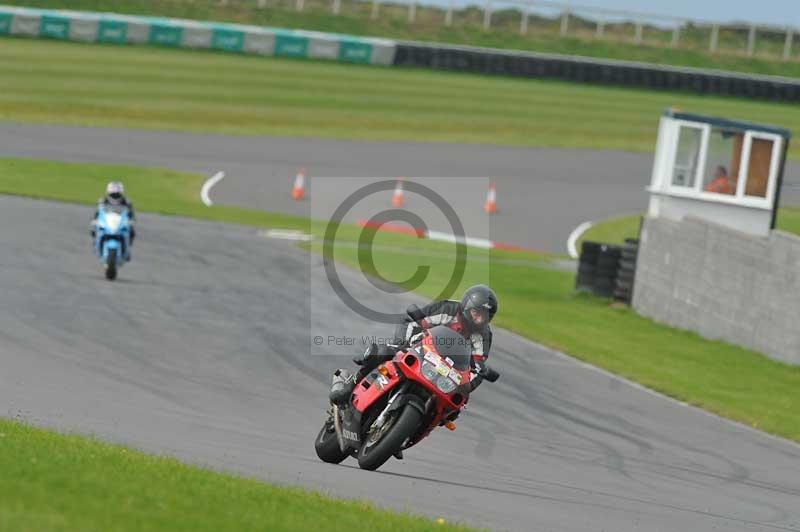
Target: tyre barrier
<point x="623" y="291"/>
<point x="596" y="71"/>
<point x="607" y="270"/>
<point x="597" y="268"/>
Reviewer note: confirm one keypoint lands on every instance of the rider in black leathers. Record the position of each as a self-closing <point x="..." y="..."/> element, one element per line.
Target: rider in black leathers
<point x="470" y="317"/>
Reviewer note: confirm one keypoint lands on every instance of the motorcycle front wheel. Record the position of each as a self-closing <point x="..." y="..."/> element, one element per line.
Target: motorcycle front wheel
<point x="382" y="443"/>
<point x="111" y="265"/>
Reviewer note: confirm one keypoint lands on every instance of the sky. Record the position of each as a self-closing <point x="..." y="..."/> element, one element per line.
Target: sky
<point x="779" y="13"/>
<point x="773" y="12"/>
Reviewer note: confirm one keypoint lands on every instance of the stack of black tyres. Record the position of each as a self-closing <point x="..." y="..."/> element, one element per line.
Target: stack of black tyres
<point x="623" y="291"/>
<point x="587" y="264"/>
<point x="597" y="268"/>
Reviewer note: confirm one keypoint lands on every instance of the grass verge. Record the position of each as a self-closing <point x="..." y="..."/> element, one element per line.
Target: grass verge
<point x="157" y="88"/>
<point x="543" y="34"/>
<point x="65" y="482"/>
<point x="616" y="230"/>
<point x="537" y="301"/>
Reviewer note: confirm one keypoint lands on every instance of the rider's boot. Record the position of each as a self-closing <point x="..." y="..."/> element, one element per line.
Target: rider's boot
<point x="341" y="387"/>
<point x="344" y="382"/>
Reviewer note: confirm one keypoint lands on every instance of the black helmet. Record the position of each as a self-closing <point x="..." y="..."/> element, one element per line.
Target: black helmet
<point x="481" y="298"/>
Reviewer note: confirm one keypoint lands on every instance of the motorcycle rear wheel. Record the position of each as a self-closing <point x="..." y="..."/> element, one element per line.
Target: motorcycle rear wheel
<point x="327" y="445"/>
<point x="111" y="265"/>
<point x="374" y="454"/>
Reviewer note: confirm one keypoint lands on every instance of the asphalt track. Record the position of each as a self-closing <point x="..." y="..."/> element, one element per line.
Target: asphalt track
<point x="543" y="194"/>
<point x="200" y="350"/>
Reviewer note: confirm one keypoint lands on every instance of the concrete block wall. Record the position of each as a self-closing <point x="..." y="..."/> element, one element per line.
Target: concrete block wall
<point x="722" y="284"/>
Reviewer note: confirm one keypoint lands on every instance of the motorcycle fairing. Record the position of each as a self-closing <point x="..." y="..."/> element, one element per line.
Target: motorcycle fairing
<point x="374" y="386"/>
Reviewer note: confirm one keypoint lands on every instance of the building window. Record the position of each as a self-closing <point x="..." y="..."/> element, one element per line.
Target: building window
<point x="722" y="161"/>
<point x="758" y="167"/>
<point x="688" y="152"/>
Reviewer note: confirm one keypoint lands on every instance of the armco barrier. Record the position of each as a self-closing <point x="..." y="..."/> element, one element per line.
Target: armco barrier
<point x="126" y="29"/>
<point x="598" y="71"/>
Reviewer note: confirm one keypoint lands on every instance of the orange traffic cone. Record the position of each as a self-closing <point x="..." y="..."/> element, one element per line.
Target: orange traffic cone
<point x="491" y="200"/>
<point x="397" y="197"/>
<point x="299" y="187"/>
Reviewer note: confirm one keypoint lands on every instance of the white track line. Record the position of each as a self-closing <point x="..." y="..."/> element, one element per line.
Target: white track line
<point x="207" y="188"/>
<point x="573" y="238"/>
<point x="287" y="234"/>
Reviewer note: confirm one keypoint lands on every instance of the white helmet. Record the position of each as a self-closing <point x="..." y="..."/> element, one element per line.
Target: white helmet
<point x="114" y="192"/>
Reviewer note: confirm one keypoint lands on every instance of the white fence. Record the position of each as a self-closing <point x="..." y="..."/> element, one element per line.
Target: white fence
<point x="565" y="20"/>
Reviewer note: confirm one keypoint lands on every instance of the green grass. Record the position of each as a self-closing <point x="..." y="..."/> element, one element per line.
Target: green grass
<point x="66" y="482"/>
<point x="152" y="189"/>
<point x="537" y="301"/>
<point x="156" y="88"/>
<point x="616" y="230"/>
<point x="612" y="230"/>
<point x="467" y="29"/>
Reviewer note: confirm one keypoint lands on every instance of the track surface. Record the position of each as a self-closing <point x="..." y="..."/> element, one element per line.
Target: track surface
<point x="543" y="194"/>
<point x="200" y="350"/>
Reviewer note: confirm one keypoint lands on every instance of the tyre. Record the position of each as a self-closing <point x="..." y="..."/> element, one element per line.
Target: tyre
<point x="111" y="265"/>
<point x="327" y="444"/>
<point x="606" y="273"/>
<point x="624" y="285"/>
<point x="584" y="281"/>
<point x="603" y="287"/>
<point x="627" y="265"/>
<point x="379" y="447"/>
<point x="590" y="249"/>
<point x="606" y="292"/>
<point x="585" y="269"/>
<point x="607" y="262"/>
<point x="603" y="282"/>
<point x="610" y="250"/>
<point x="625" y="276"/>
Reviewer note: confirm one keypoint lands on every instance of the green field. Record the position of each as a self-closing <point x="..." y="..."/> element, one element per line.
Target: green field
<point x="153" y="88"/>
<point x="538" y="301"/>
<point x="543" y="34"/>
<point x="64" y="482"/>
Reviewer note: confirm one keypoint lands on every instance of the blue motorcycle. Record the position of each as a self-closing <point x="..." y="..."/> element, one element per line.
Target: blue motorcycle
<point x="112" y="238"/>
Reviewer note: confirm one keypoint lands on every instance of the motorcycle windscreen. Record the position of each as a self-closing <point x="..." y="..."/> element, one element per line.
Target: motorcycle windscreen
<point x="451" y="345"/>
<point x="119" y="209"/>
<point x="114" y="217"/>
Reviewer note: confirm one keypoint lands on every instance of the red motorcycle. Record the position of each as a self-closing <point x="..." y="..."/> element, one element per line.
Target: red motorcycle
<point x="402" y="400"/>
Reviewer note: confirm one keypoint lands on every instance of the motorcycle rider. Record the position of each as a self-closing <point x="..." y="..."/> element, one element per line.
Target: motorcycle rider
<point x="469" y="317"/>
<point x="115" y="196"/>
